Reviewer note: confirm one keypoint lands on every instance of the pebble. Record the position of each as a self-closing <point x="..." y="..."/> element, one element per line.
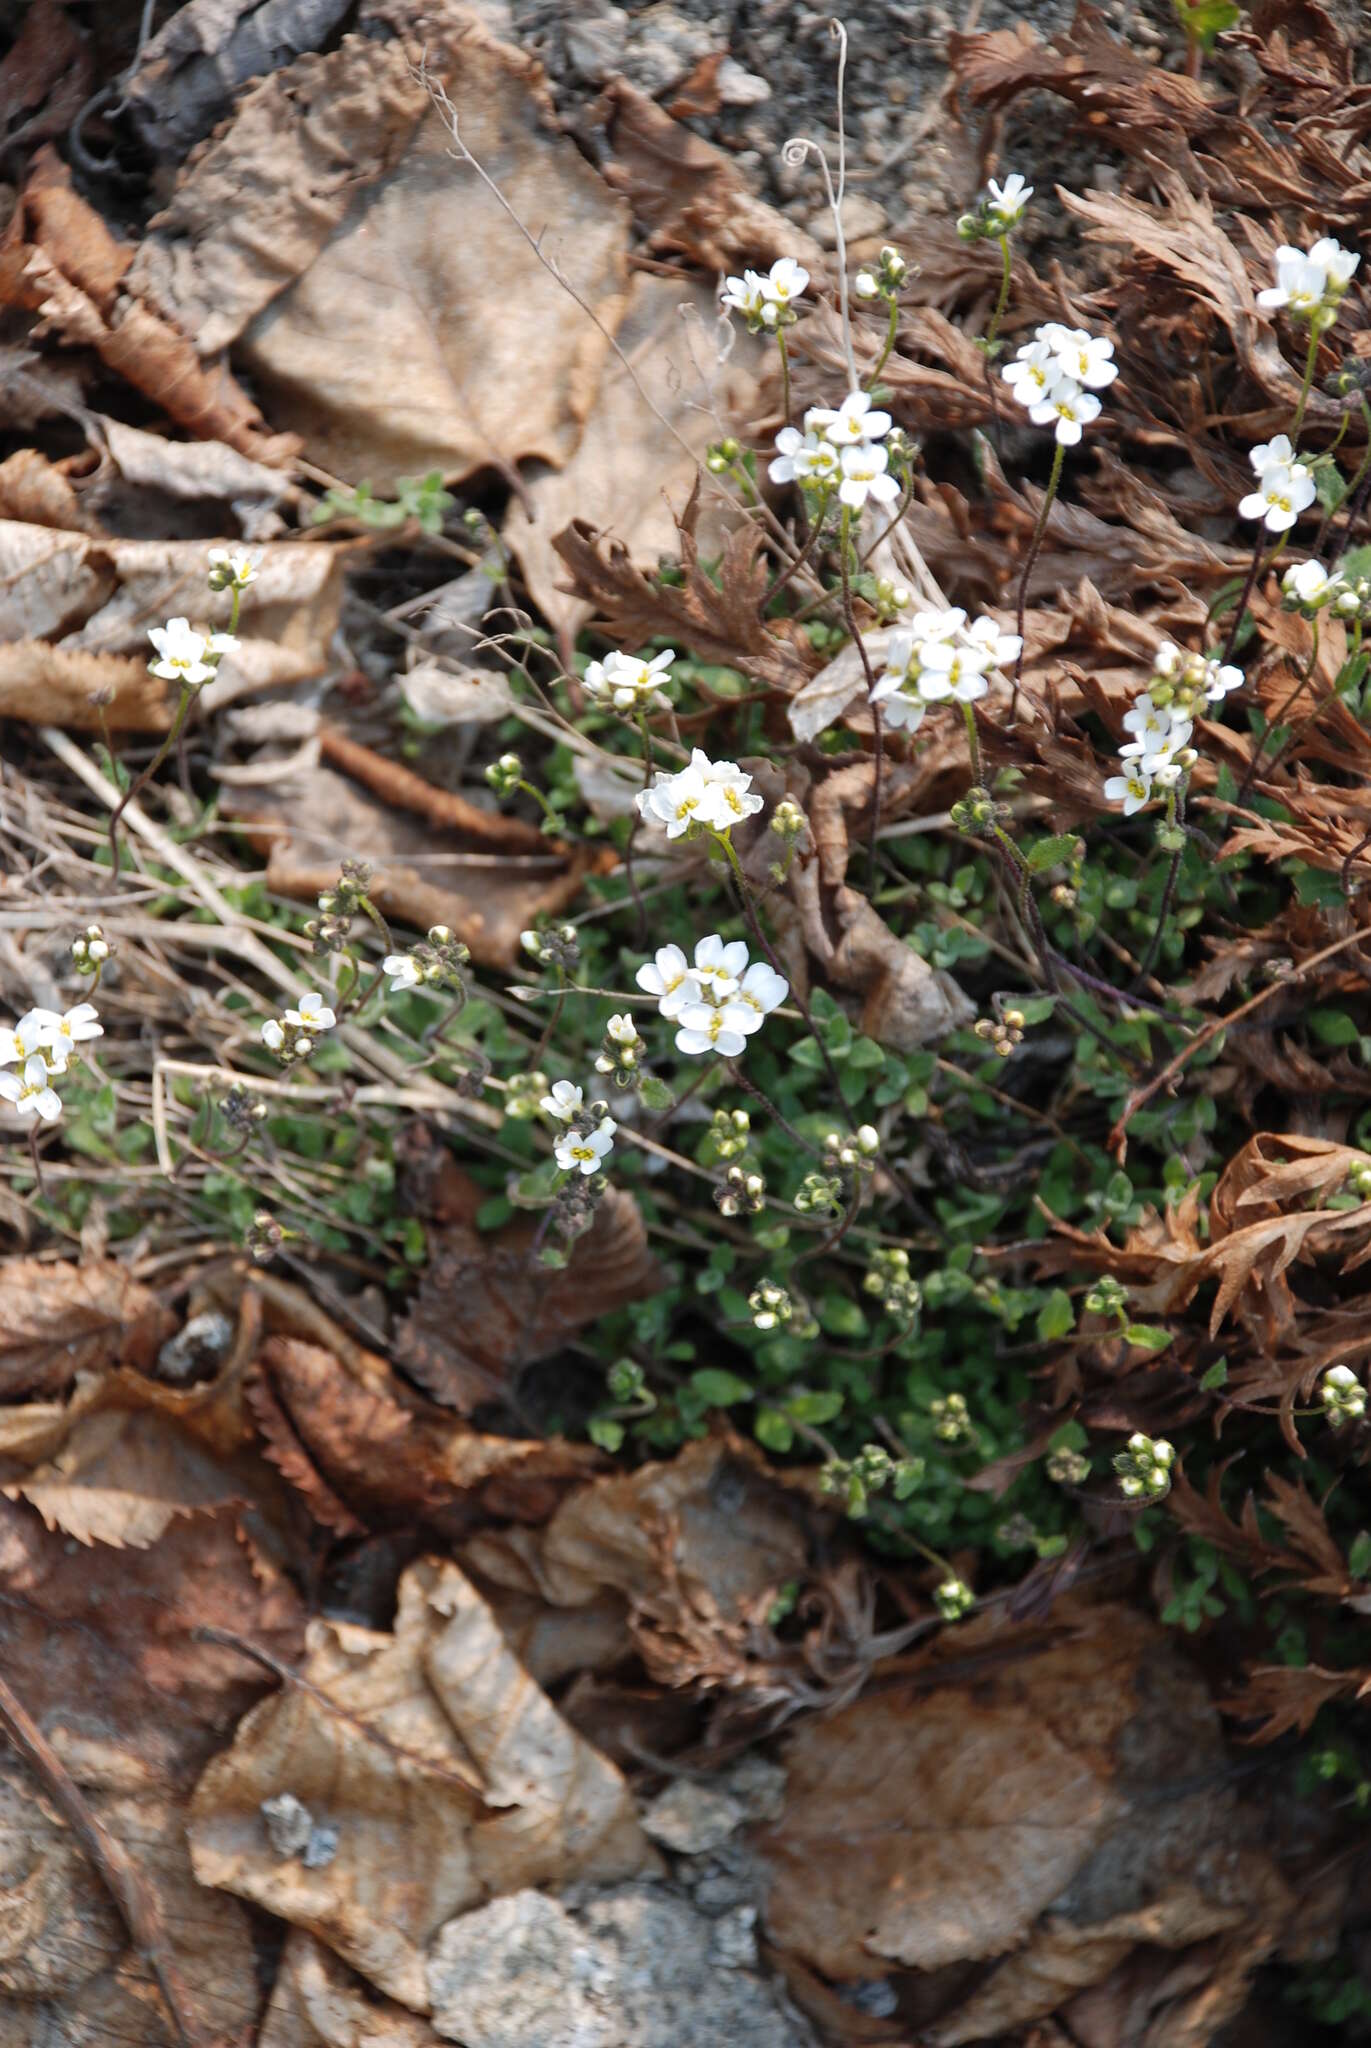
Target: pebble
<point x="862" y="216"/>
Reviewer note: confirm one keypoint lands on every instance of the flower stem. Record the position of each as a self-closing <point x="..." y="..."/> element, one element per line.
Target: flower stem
<point x="785" y="376"/>
<point x="141" y="781"/>
<point x="1311" y="358"/>
<point x="890" y="334"/>
<point x="1175" y="815"/>
<point x="973" y="741"/>
<point x="850" y="620"/>
<point x="1003" y="299"/>
<point x="1306" y="673"/>
<point x="1040" y="528"/>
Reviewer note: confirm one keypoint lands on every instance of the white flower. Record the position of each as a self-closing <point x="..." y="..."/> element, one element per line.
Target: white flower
<point x="36" y="1031"/>
<point x="901" y="712"/>
<point x="865" y="476"/>
<point x="667" y="976"/>
<point x="1072" y="408"/>
<point x="674" y="800"/>
<point x="1007" y="201"/>
<point x="273" y="1037"/>
<point x="1341" y="264"/>
<point x="865" y="285"/>
<point x="1147" y="721"/>
<point x="73" y="1028"/>
<point x="629" y="682"/>
<point x="998" y="648"/>
<point x="1280" y="497"/>
<point x="1083" y="357"/>
<point x="786" y="281"/>
<point x="1300" y="284"/>
<point x="182" y="652"/>
<point x="704" y="1029"/>
<point x="761" y="991"/>
<point x="854" y="421"/>
<point x="622" y="1029"/>
<point x="1309" y="583"/>
<point x="952" y="669"/>
<point x="729" y="795"/>
<point x="313" y="1014"/>
<point x="1168" y="661"/>
<point x="404" y="972"/>
<point x="233" y="568"/>
<point x="1161" y="760"/>
<point x="802" y="458"/>
<point x="31" y="1092"/>
<point x="564" y="1102"/>
<point x="745" y="294"/>
<point x="1275" y="454"/>
<point x="587" y="1150"/>
<point x="1033" y="372"/>
<point x="718" y="966"/>
<point x="1132" y="790"/>
<point x="1219" y="679"/>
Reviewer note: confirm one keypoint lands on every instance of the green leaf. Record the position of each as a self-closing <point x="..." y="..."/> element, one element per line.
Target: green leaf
<point x="1070" y="1437"/>
<point x="719" y="1389"/>
<point x="1205" y="22"/>
<point x="1359" y="1556"/>
<point x="605" y="1432"/>
<point x="1047" y="853"/>
<point x="1332" y="1027"/>
<point x="1056" y="1317"/>
<point x="841" y="1317"/>
<point x="815" y="1409"/>
<point x="1148" y="1336"/>
<point x="1217" y="1376"/>
<point x="772" y="1430"/>
<point x="1036" y="1009"/>
<point x="654" y="1094"/>
<point x="535" y="1189"/>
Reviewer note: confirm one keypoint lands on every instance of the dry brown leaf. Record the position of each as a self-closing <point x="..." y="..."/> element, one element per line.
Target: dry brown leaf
<point x="373" y="1452"/>
<point x="1285" y="1698"/>
<point x="693" y="200"/>
<point x="37" y="492"/>
<point x="58" y="1320"/>
<point x="449" y="1777"/>
<point x="484" y="1307"/>
<point x="76" y="612"/>
<point x="719" y="621"/>
<point x="60" y="261"/>
<point x="46" y="75"/>
<point x="421" y="266"/>
<point x="122" y="1478"/>
<point x="101" y="1652"/>
<point x="670" y="337"/>
<point x="317" y="2002"/>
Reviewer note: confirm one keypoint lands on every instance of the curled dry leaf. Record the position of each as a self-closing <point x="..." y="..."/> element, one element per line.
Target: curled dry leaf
<point x="448" y="1775"/>
<point x="669" y="336"/>
<point x="193" y="66"/>
<point x="101" y="1652"/>
<point x="75" y="611"/>
<point x="36" y="492"/>
<point x="58" y="1320"/>
<point x="400" y="253"/>
<point x="485" y="1307"/>
<point x="692" y="199"/>
<point x="317" y="2002"/>
<point x="59" y="260"/>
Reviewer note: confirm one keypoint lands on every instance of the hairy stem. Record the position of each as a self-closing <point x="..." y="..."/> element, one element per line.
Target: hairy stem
<point x="1039" y="529"/>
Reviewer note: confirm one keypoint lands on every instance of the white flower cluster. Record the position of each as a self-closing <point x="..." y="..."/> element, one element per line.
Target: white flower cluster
<point x="1311" y="281"/>
<point x="718" y="1001"/>
<point x="1162" y="721"/>
<point x="293" y="1033"/>
<point x="937" y="656"/>
<point x="181" y="652"/>
<point x="1056" y="375"/>
<point x="766" y="301"/>
<point x="589" y="1137"/>
<point x="1285" y="486"/>
<point x="717" y="794"/>
<point x="40" y="1046"/>
<point x="628" y="682"/>
<point x="233" y="568"/>
<point x="1308" y="587"/>
<point x="846" y="443"/>
<point x="998" y="211"/>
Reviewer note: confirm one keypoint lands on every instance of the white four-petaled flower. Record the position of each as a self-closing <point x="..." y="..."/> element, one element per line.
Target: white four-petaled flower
<point x="717" y="794"/>
<point x="855" y="421"/>
<point x="564" y="1102"/>
<point x="30" y="1091"/>
<point x="311" y="1014"/>
<point x="586" y="1151"/>
<point x="1281" y="495"/>
<point x="1008" y="200"/>
<point x="629" y="682"/>
<point x="403" y="969"/>
<point x="866" y="475"/>
<point x="181" y="653"/>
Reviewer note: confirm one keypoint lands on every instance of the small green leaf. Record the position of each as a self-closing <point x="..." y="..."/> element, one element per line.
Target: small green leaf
<point x="654" y="1094"/>
<point x="815" y="1409"/>
<point x="1217" y="1375"/>
<point x="1359" y="1556"/>
<point x="1332" y="1027"/>
<point x="1148" y="1336"/>
<point x="1036" y="1009"/>
<point x="1206" y="21"/>
<point x="605" y="1432"/>
<point x="719" y="1389"/>
<point x="772" y="1430"/>
<point x="1056" y="1317"/>
<point x="1047" y="853"/>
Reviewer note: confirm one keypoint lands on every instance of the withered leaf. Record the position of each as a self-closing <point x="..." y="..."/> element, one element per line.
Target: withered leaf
<point x="1286" y="1698"/>
<point x="58" y="1320"/>
<point x="122" y="1478"/>
<point x="317" y="2002"/>
<point x="449" y="1776"/>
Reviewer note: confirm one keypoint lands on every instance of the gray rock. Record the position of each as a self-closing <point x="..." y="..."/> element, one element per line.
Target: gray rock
<point x="288" y="1823"/>
<point x="631" y="1967"/>
<point x="692" y="1819"/>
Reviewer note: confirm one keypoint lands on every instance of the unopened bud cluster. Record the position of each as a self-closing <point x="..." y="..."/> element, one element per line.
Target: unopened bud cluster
<point x="1343" y="1396"/>
<point x="1108" y="1298"/>
<point x="242" y="1111"/>
<point x="890" y="598"/>
<point x="772" y="1308"/>
<point x="1144" y="1467"/>
<point x="505" y="775"/>
<point x="871" y="1471"/>
<point x="787" y="820"/>
<point x="976" y="812"/>
<point x="621" y="1052"/>
<point x="888" y="1278"/>
<point x="953" y="1598"/>
<point x="885" y="279"/>
<point x="853" y="1154"/>
<point x="1359" y="1179"/>
<point x="1001" y="1033"/>
<point x="819" y="1194"/>
<point x="1308" y="588"/>
<point x="438" y="961"/>
<point x="338" y="906"/>
<point x="90" y="950"/>
<point x="722" y="455"/>
<point x="524" y="1095"/>
<point x="560" y="946"/>
<point x="951" y="1421"/>
<point x="730" y="1131"/>
<point x="264" y="1238"/>
<point x="1068" y="1468"/>
<point x="742" y="1192"/>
